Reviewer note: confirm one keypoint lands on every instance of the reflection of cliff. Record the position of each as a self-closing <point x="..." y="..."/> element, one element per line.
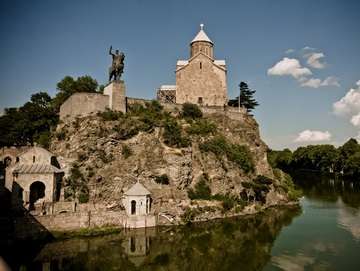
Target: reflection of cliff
<point x="243" y="244"/>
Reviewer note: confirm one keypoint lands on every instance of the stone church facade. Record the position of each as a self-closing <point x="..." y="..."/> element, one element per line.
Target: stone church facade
<point x="199" y="80"/>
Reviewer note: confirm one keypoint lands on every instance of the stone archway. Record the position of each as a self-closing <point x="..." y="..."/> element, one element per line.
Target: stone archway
<point x="133" y="207"/>
<point x="37" y="191"/>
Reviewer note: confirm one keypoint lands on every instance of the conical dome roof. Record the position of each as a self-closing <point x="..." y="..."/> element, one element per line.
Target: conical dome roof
<point x="137" y="190"/>
<point x="201" y="36"/>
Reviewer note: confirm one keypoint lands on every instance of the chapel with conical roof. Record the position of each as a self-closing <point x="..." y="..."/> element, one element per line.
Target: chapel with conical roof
<point x="199" y="80"/>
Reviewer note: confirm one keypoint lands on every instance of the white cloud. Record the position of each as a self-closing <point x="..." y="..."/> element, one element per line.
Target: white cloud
<point x="349" y="104"/>
<point x="289" y="66"/>
<point x="355" y="120"/>
<point x="315" y="60"/>
<point x="289" y="51"/>
<point x="308" y="48"/>
<point x="312" y="83"/>
<point x="312" y="136"/>
<point x="358" y="83"/>
<point x="331" y="81"/>
<point x="316" y="82"/>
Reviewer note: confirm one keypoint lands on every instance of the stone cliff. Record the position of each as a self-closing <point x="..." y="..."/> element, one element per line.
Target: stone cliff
<point x="196" y="165"/>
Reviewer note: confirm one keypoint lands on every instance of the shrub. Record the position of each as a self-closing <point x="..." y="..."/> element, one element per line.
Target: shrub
<point x="83" y="196"/>
<point x="201" y="190"/>
<point x="188" y="216"/>
<point x="229" y="201"/>
<point x="109" y="115"/>
<point x="172" y="134"/>
<point x="162" y="179"/>
<point x="104" y="157"/>
<point x="191" y="111"/>
<point x="44" y="139"/>
<point x="202" y="127"/>
<point x="82" y="156"/>
<point x="238" y="154"/>
<point x="126" y="151"/>
<point x="61" y="135"/>
<point x="128" y="128"/>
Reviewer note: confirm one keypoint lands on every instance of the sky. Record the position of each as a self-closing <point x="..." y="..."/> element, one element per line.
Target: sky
<point x="301" y="57"/>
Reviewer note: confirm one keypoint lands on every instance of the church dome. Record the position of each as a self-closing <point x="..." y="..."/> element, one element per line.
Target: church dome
<point x="201" y="36"/>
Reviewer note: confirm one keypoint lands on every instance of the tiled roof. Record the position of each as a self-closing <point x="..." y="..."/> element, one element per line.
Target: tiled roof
<point x="137" y="190"/>
<point x="36" y="168"/>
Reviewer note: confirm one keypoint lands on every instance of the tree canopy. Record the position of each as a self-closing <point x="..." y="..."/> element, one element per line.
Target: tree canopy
<point x="326" y="158"/>
<point x="32" y="121"/>
<point x="247" y="99"/>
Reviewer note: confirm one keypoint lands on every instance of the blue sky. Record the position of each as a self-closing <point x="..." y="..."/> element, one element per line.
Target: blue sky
<point x="43" y="41"/>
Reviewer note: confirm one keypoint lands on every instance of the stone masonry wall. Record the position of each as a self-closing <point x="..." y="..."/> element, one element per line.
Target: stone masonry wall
<point x="201" y="78"/>
<point x="83" y="104"/>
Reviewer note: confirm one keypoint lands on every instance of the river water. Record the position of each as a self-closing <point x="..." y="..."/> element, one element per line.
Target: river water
<point x="324" y="234"/>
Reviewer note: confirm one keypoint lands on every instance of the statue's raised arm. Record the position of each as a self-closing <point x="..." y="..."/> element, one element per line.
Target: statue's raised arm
<point x="117" y="65"/>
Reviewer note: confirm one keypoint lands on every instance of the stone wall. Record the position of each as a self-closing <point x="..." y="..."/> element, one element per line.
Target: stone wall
<point x="83" y="104"/>
<point x="201" y="81"/>
<point x="116" y="93"/>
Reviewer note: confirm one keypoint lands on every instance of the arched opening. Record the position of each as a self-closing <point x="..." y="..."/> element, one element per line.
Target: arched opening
<point x="133" y="207"/>
<point x="37" y="191"/>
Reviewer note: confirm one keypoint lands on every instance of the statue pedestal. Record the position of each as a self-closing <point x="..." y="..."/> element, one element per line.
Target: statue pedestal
<point x="116" y="92"/>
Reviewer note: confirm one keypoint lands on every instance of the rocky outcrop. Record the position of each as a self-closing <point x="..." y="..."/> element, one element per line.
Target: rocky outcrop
<point x="110" y="162"/>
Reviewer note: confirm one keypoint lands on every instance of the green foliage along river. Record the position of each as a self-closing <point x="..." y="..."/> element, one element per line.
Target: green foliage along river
<point x="323" y="235"/>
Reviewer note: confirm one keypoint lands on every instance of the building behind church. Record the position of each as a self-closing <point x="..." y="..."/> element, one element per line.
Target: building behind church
<point x="199" y="80"/>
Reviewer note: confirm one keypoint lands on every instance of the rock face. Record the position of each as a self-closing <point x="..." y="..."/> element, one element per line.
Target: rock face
<point x="109" y="163"/>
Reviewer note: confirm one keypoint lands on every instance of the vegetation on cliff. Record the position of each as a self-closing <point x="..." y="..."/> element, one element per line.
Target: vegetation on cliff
<point x="184" y="157"/>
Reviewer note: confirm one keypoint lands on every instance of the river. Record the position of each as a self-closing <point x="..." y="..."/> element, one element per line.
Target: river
<point x="324" y="234"/>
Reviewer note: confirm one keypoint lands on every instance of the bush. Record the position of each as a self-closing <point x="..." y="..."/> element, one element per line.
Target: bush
<point x="82" y="156"/>
<point x="44" y="139"/>
<point x="83" y="196"/>
<point x="229" y="201"/>
<point x="201" y="190"/>
<point x="188" y="216"/>
<point x="109" y="115"/>
<point x="172" y="135"/>
<point x="162" y="179"/>
<point x="202" y="127"/>
<point x="61" y="135"/>
<point x="126" y="151"/>
<point x="238" y="154"/>
<point x="191" y="111"/>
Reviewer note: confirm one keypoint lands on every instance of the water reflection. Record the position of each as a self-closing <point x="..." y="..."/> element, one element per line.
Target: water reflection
<point x="234" y="244"/>
<point x="328" y="189"/>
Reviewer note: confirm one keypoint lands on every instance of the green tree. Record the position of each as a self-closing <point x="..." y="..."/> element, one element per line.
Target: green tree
<point x="68" y="86"/>
<point x="247" y="99"/>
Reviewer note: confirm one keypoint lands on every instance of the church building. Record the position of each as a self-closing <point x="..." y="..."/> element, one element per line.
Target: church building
<point x="199" y="80"/>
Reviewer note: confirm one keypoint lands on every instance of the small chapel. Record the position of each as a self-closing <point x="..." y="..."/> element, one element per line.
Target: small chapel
<point x="199" y="80"/>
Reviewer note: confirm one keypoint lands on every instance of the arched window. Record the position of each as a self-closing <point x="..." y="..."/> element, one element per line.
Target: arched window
<point x="133" y="207"/>
<point x="34" y="159"/>
<point x="37" y="191"/>
<point x="200" y="65"/>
